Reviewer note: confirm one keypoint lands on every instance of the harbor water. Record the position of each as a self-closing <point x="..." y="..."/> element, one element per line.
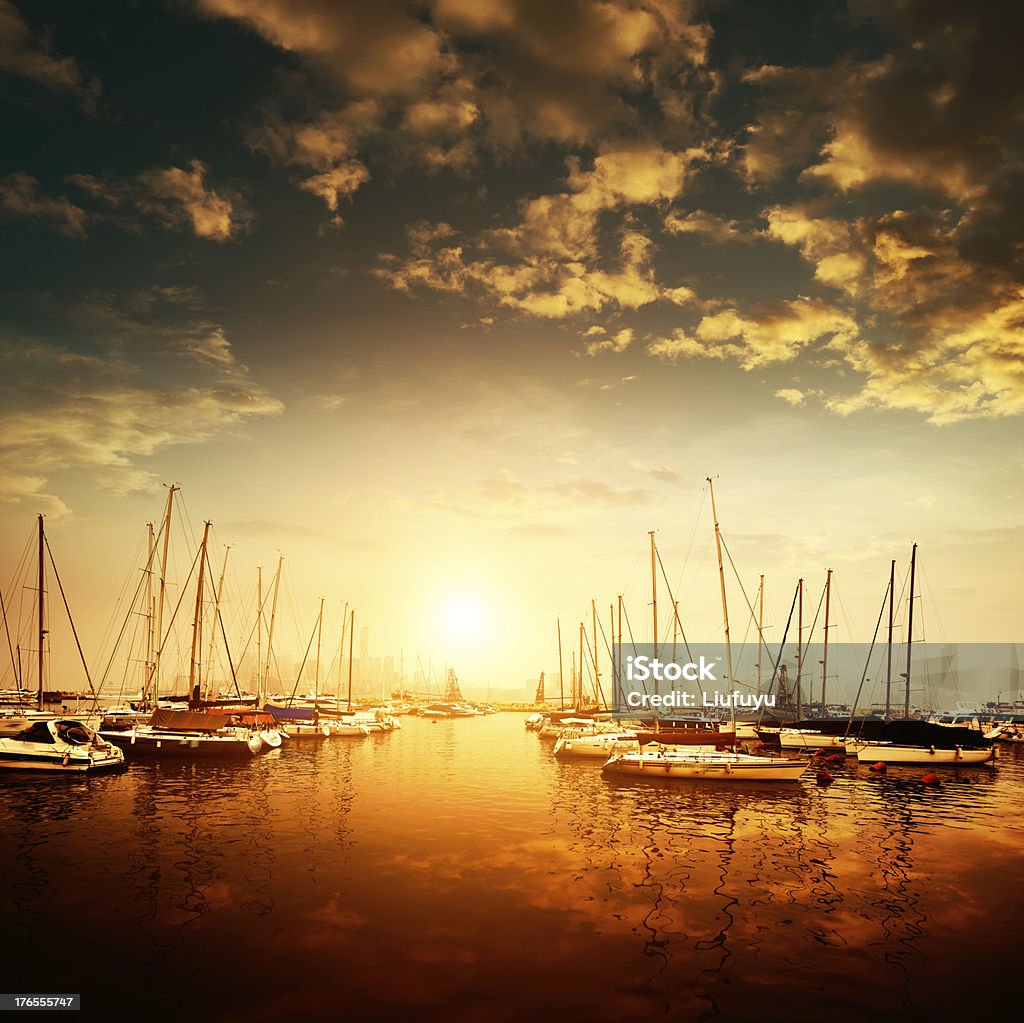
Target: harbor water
<point x="454" y="870"/>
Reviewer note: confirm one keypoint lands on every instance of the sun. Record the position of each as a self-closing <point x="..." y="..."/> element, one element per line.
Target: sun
<point x="463" y="618"/>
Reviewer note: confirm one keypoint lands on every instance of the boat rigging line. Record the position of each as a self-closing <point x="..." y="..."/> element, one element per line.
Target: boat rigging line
<point x="74" y="631"/>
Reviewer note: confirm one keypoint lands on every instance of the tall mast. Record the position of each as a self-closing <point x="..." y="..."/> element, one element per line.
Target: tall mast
<point x="619" y="694"/>
<point x="824" y="663"/>
<point x="273" y="616"/>
<point x="654" y="598"/>
<point x="197" y="619"/>
<point x="800" y="650"/>
<point x="760" y="632"/>
<point x="888" y="654"/>
<point x="42" y="619"/>
<point x="615" y="672"/>
<point x="675" y="626"/>
<point x="341" y="647"/>
<point x="561" y="687"/>
<point x="155" y="677"/>
<point x="910" y="627"/>
<point x="351" y="634"/>
<point x="15" y="662"/>
<point x="259" y="635"/>
<point x="579" y="678"/>
<point x="721" y="578"/>
<point x="319" y="633"/>
<point x="597" y="675"/>
<point x="150" y="544"/>
<point x="216" y="611"/>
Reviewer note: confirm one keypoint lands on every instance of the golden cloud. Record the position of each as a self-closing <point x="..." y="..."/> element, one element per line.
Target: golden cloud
<point x="175" y="197"/>
<point x="974" y="371"/>
<point x="938" y="112"/>
<point x="774" y="332"/>
<point x="569" y="72"/>
<point x="833" y="246"/>
<point x="699" y="222"/>
<point x="950" y="314"/>
<point x="597" y="341"/>
<point x="375" y="49"/>
<point x="853" y="159"/>
<point x="336" y="184"/>
<point x="549" y="264"/>
<point x="791" y="395"/>
<point x="793" y="119"/>
<point x="18" y="488"/>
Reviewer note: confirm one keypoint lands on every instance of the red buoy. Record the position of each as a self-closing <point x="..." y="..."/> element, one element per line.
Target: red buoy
<point x="835" y="756"/>
<point x="931" y="779"/>
<point x="879" y="767"/>
<point x="824" y="778"/>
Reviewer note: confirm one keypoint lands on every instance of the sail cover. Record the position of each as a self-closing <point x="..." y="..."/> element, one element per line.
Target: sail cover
<point x="187" y="720"/>
<point x="289" y="713"/>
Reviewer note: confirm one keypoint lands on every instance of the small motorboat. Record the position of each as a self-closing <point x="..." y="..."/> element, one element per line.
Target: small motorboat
<point x="60" y="744"/>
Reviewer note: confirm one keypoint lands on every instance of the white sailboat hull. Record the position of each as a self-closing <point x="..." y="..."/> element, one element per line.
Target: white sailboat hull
<point x="600" y="745"/>
<point x="706" y="767"/>
<point x="889" y="753"/>
<point x="344" y="729"/>
<point x="306" y="730"/>
<point x="798" y="738"/>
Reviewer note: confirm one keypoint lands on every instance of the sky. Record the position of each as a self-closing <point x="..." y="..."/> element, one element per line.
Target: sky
<point x="452" y="302"/>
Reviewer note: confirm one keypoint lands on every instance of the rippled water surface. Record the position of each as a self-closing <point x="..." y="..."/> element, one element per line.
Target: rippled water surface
<point x="455" y="871"/>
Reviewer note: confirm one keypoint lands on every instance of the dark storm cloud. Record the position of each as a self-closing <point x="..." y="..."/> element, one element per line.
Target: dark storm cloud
<point x="30" y="54"/>
<point x="21" y="196"/>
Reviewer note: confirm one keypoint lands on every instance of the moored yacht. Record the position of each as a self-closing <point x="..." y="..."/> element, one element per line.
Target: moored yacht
<point x="893" y="753"/>
<point x="705" y="764"/>
<point x="60" y="744"/>
<point x="575" y="743"/>
<point x="190" y="735"/>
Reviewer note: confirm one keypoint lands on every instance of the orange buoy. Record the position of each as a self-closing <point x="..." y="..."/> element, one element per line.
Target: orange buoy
<point x="879" y="767"/>
<point x="931" y="779"/>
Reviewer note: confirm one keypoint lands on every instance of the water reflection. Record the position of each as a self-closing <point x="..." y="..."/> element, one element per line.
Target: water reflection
<point x="734" y="885"/>
<point x="500" y="883"/>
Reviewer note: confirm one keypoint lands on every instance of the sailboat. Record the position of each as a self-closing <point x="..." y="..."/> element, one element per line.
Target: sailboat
<point x="678" y="732"/>
<point x="46" y="743"/>
<point x="351" y="723"/>
<point x="663" y="761"/>
<point x="302" y="721"/>
<point x="809" y="735"/>
<point x="194" y="733"/>
<point x="573" y="742"/>
<point x="940" y="746"/>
